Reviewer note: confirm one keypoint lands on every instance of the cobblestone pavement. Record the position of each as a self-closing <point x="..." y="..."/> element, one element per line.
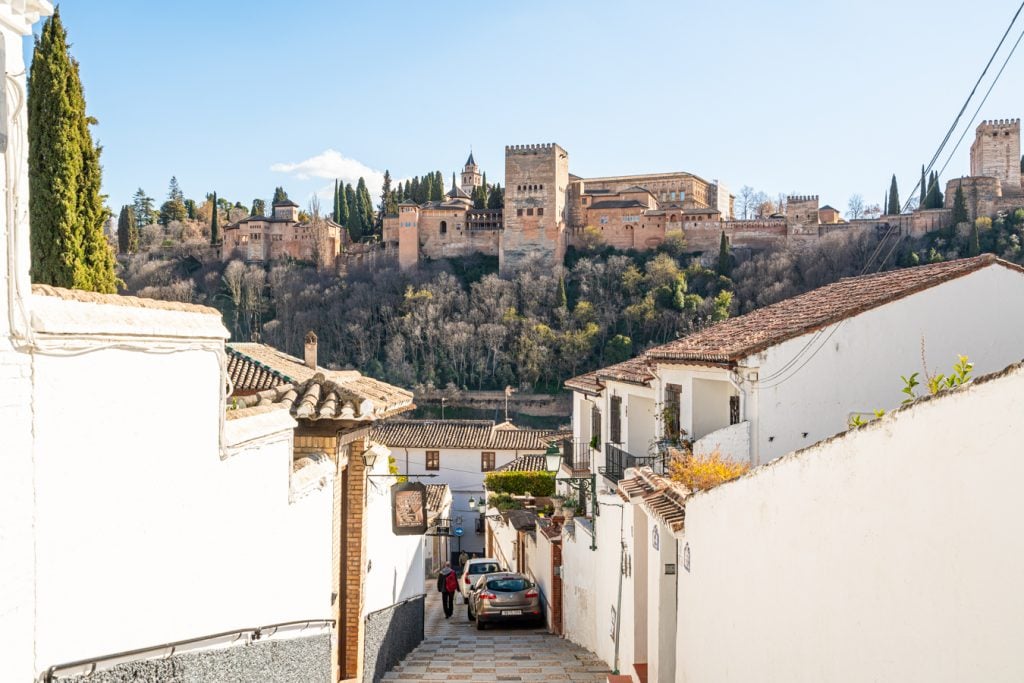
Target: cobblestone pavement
<point x="454" y="650"/>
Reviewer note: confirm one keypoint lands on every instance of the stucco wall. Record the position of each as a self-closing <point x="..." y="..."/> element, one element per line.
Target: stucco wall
<point x="893" y="553"/>
<point x="144" y="533"/>
<point x="394" y="569"/>
<point x="858" y="368"/>
<point x="391" y="634"/>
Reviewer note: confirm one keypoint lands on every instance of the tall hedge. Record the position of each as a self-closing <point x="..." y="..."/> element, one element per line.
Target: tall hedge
<point x="520" y="483"/>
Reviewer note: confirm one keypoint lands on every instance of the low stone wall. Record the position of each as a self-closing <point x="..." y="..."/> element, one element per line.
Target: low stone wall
<point x="391" y="634"/>
<point x="292" y="660"/>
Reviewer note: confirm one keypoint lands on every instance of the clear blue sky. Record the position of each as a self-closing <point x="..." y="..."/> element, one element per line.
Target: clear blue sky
<point x="824" y="98"/>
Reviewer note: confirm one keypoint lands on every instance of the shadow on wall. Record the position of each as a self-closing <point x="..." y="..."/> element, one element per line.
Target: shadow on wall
<point x="391" y="634"/>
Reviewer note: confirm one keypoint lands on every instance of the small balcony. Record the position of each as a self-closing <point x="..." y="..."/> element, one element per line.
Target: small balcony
<point x="576" y="456"/>
<point x="617" y="461"/>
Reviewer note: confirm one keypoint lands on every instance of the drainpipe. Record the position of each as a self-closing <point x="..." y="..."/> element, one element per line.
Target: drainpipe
<point x="618" y="606"/>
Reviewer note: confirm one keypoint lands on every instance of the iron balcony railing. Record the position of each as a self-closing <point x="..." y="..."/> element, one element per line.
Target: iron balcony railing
<point x="576" y="455"/>
<point x="617" y="461"/>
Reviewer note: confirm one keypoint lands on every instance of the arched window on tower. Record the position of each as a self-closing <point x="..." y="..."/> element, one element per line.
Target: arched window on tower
<point x="444" y="227"/>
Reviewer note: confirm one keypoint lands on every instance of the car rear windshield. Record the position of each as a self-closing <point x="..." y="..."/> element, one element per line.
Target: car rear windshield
<point x="483" y="568"/>
<point x="508" y="585"/>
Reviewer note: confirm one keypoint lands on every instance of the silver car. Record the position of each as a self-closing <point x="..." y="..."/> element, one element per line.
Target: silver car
<point x="504" y="596"/>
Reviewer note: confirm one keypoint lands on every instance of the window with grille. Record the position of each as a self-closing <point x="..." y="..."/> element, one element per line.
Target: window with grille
<point x="615" y="420"/>
<point x="673" y="394"/>
<point x="487" y="461"/>
<point x="595" y="427"/>
<point x="433" y="460"/>
<point x="734" y="410"/>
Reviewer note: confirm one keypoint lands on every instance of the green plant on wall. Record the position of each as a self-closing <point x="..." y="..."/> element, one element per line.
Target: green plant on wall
<point x="520" y="483"/>
<point x="960" y="376"/>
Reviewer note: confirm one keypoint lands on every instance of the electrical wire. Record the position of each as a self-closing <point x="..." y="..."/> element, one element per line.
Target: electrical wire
<point x="963" y="108"/>
<point x="977" y="111"/>
<point x="899" y="239"/>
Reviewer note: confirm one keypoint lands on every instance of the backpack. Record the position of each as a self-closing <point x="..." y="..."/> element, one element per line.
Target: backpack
<point x="451" y="583"/>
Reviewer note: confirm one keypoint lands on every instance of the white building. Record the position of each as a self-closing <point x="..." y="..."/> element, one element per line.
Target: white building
<point x="459" y="453"/>
<point x="754" y="388"/>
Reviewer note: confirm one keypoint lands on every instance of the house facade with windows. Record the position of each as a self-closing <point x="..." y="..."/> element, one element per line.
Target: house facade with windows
<point x="459" y="453"/>
<point x="282" y="235"/>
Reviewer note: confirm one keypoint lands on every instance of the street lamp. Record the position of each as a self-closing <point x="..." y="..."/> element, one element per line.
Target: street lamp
<point x="370" y="456"/>
<point x="585" y="486"/>
<point x="472" y="503"/>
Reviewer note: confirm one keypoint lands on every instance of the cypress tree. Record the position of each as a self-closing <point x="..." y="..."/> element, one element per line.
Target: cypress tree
<point x="127" y="232"/>
<point x="885" y="204"/>
<point x="974" y="247"/>
<point x="214" y="224"/>
<point x="496" y="199"/>
<point x="66" y="209"/>
<point x="924" y="190"/>
<point x="939" y="198"/>
<point x="386" y="196"/>
<point x="724" y="257"/>
<point x="259" y="208"/>
<point x="563" y="298"/>
<point x="894" y="198"/>
<point x="335" y="210"/>
<point x="365" y="206"/>
<point x="279" y="195"/>
<point x="190" y="208"/>
<point x="959" y="207"/>
<point x="343" y="210"/>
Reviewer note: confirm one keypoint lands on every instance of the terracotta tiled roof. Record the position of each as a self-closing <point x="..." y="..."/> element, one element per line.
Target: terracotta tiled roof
<point x="476" y="434"/>
<point x="248" y="375"/>
<point x="118" y="300"/>
<point x="634" y="370"/>
<point x="325" y="398"/>
<point x="663" y="498"/>
<point x="525" y="463"/>
<point x="739" y="337"/>
<point x="436" y="493"/>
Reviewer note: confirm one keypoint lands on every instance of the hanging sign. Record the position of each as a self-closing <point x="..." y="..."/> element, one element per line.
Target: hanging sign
<point x="409" y="509"/>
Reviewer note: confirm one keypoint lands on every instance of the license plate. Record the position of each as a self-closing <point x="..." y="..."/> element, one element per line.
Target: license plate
<point x="511" y="612"/>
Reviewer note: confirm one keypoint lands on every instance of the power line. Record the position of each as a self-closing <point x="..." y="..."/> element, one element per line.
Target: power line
<point x="963" y="108"/>
<point x="967" y="128"/>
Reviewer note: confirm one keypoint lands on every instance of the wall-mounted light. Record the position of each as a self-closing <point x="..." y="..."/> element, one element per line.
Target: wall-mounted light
<point x="553" y="458"/>
<point x="472" y="503"/>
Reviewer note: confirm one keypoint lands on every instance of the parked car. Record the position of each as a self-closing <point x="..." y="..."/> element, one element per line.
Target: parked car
<point x="504" y="596"/>
<point x="472" y="570"/>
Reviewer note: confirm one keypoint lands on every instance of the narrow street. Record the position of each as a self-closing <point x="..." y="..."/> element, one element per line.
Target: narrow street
<point x="454" y="650"/>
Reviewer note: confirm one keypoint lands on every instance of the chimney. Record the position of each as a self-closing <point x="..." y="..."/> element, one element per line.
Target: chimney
<point x="311" y="350"/>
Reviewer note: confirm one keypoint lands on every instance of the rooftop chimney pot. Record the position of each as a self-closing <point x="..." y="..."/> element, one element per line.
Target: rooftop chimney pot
<point x="311" y="350"/>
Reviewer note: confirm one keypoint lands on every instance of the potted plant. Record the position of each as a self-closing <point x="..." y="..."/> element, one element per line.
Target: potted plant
<point x="569" y="506"/>
<point x="556" y="503"/>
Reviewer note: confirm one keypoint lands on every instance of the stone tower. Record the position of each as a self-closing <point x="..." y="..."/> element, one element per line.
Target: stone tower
<point x="996" y="153"/>
<point x="471" y="178"/>
<point x="536" y="187"/>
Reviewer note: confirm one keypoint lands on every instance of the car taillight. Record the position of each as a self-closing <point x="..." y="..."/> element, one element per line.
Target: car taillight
<point x="488" y="596"/>
<point x="532" y="594"/>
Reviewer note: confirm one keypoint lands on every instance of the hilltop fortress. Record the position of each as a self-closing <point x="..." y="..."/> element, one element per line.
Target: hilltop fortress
<point x="548" y="209"/>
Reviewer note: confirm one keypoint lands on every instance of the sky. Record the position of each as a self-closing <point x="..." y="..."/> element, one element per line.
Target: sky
<point x="827" y="98"/>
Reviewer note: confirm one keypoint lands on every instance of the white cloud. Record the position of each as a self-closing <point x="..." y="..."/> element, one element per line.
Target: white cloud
<point x="331" y="164"/>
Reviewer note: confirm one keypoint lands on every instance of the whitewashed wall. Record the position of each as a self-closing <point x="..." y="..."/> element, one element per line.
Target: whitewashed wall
<point x="859" y="367"/>
<point x="394" y="569"/>
<point x="893" y="553"/>
<point x="17" y="562"/>
<point x="144" y="533"/>
<point x="505" y="537"/>
<point x="539" y="569"/>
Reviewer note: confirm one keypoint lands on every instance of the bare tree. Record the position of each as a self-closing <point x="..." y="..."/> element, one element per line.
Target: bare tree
<point x="855" y="207"/>
<point x="747" y="201"/>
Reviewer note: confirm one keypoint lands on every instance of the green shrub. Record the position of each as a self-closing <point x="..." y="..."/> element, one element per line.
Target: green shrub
<point x="521" y="483"/>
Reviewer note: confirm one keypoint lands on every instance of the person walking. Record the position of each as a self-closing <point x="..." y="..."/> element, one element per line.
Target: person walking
<point x="447" y="584"/>
<point x="463" y="557"/>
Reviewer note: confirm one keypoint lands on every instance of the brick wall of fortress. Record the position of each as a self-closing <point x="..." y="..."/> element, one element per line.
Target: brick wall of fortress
<point x="985" y="195"/>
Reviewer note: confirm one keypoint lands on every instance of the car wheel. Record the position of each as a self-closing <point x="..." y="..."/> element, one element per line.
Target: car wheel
<point x="479" y="625"/>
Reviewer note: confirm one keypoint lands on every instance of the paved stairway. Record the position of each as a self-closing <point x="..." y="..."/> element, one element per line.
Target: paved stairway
<point x="454" y="650"/>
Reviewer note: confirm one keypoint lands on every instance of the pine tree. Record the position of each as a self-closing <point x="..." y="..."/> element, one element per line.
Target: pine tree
<point x="174" y="192"/>
<point x="959" y="207"/>
<point x="895" y="208"/>
<point x="279" y="195"/>
<point x="125" y="228"/>
<point x="142" y="206"/>
<point x="724" y="268"/>
<point x="215" y="221"/>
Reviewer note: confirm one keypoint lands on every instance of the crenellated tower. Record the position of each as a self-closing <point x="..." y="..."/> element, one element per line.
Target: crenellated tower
<point x="536" y="188"/>
<point x="995" y="153"/>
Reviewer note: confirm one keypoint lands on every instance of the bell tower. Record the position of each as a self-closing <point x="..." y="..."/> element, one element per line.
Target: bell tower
<point x="471" y="178"/>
